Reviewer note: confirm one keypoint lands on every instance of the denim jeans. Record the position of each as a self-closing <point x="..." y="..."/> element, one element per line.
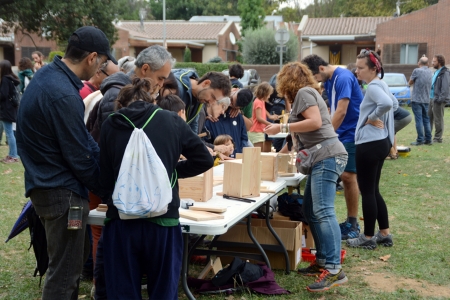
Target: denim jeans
<point x="67" y="249"/>
<point x="11" y="139"/>
<point x="420" y="111"/>
<point x="318" y="206"/>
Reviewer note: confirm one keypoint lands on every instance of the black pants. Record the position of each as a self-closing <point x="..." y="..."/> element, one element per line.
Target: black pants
<point x="369" y="162"/>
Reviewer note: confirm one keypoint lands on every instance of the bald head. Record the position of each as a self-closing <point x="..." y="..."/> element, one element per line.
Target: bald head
<point x="423" y="61"/>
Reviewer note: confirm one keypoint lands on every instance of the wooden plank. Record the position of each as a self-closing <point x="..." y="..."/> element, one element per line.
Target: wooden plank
<point x="269" y="169"/>
<point x="285" y="174"/>
<point x="283" y="162"/>
<point x="205" y="271"/>
<point x="210" y="208"/>
<point x="217" y="266"/>
<point x="199" y="188"/>
<point x="199" y="215"/>
<point x="232" y="178"/>
<point x="251" y="172"/>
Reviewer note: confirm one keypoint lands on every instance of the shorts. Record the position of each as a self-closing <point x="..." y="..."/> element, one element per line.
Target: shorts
<point x="256" y="137"/>
<point x="351" y="162"/>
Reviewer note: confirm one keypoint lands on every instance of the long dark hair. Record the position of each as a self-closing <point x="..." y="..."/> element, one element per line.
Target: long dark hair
<point x="139" y="89"/>
<point x="170" y="83"/>
<point x="6" y="69"/>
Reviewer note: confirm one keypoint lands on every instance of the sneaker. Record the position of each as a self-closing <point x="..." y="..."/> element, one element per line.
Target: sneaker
<point x="9" y="160"/>
<point x="348" y="232"/>
<point x="312" y="270"/>
<point x="429" y="143"/>
<point x="384" y="240"/>
<point x="416" y="143"/>
<point x="362" y="242"/>
<point x="327" y="280"/>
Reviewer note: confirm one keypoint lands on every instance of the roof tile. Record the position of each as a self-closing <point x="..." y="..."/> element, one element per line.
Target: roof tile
<point x="343" y="26"/>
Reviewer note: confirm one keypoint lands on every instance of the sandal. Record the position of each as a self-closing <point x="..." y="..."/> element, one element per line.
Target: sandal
<point x="392" y="156"/>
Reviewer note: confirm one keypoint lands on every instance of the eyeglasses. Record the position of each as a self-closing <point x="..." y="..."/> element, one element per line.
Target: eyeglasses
<point x="104" y="72"/>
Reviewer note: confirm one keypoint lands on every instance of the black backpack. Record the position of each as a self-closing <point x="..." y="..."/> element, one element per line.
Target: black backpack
<point x="15" y="95"/>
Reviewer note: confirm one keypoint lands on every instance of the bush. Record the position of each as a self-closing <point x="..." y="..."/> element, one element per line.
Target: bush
<point x="259" y="47"/>
<point x="215" y="60"/>
<point x="187" y="57"/>
<point x="52" y="54"/>
<point x="201" y="68"/>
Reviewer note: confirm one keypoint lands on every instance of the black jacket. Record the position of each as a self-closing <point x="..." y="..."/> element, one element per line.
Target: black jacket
<point x="441" y="86"/>
<point x="8" y="85"/>
<point x="170" y="136"/>
<point x="110" y="88"/>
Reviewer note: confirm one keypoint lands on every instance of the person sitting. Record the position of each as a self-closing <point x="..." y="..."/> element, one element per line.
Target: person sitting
<point x="175" y="104"/>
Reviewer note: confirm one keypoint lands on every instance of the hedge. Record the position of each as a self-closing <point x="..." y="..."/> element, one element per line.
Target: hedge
<point x="202" y="68"/>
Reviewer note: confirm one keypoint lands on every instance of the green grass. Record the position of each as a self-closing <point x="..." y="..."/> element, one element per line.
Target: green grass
<point x="415" y="188"/>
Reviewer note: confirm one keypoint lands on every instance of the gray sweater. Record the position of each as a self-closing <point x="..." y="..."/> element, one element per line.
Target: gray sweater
<point x="378" y="104"/>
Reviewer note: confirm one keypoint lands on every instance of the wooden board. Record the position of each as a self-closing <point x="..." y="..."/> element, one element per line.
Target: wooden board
<point x="199" y="215"/>
<point x="286" y="174"/>
<point x="251" y="172"/>
<point x="210" y="208"/>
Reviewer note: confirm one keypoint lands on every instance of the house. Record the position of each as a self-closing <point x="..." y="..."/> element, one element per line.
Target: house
<point x="338" y="40"/>
<point x="271" y="22"/>
<point x="205" y="40"/>
<point x="405" y="39"/>
<point x="14" y="46"/>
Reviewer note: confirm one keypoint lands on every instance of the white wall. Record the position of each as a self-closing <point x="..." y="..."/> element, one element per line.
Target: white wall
<point x="209" y="51"/>
<point x="177" y="53"/>
<point x="322" y="51"/>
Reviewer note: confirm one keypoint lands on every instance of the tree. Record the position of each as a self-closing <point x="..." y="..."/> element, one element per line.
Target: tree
<point x="57" y="20"/>
<point x="187" y="57"/>
<point x="259" y="47"/>
<point x="252" y="14"/>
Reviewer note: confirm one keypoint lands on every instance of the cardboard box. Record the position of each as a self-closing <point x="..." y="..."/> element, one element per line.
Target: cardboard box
<point x="288" y="231"/>
<point x="198" y="188"/>
<point x="278" y="216"/>
<point x="307" y="238"/>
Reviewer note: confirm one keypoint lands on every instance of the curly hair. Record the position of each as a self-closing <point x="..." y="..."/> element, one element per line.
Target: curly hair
<point x="292" y="77"/>
<point x="313" y="62"/>
<point x="440" y="59"/>
<point x="25" y="63"/>
<point x="139" y="89"/>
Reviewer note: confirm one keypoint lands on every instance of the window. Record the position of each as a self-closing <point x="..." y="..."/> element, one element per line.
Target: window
<point x="409" y="54"/>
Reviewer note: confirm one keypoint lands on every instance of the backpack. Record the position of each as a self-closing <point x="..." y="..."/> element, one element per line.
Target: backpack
<point x="15" y="96"/>
<point x="141" y="190"/>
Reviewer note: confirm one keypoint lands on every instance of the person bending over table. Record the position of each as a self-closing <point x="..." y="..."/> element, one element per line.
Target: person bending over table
<point x="151" y="246"/>
<point x="311" y="128"/>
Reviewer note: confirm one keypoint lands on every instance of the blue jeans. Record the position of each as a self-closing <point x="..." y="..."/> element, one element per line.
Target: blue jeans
<point x="67" y="249"/>
<point x="11" y="139"/>
<point x="318" y="206"/>
<point x="420" y="111"/>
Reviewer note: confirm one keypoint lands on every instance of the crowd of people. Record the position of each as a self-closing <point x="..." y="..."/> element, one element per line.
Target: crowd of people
<point x="72" y="136"/>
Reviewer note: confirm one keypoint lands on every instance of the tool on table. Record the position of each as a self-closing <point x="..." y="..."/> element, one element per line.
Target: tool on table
<point x="238" y="199"/>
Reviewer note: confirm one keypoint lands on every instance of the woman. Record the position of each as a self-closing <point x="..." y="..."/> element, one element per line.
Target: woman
<point x="8" y="113"/>
<point x="25" y="72"/>
<point x="126" y="64"/>
<point x="150" y="246"/>
<point x="374" y="137"/>
<point x="38" y="58"/>
<point x="311" y="127"/>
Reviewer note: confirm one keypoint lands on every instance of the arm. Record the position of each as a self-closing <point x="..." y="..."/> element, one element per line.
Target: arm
<point x="383" y="101"/>
<point x="413" y="77"/>
<point x="259" y="117"/>
<point x="313" y="121"/>
<point x="443" y="94"/>
<point x="339" y="114"/>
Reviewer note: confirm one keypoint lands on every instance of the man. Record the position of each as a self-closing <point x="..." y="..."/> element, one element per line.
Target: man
<point x="421" y="79"/>
<point x="60" y="157"/>
<point x="93" y="84"/>
<point x="344" y="97"/>
<point x="154" y="62"/>
<point x="438" y="96"/>
<point x="195" y="91"/>
<point x="232" y="125"/>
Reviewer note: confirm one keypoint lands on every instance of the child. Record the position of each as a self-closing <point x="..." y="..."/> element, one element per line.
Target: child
<point x="227" y="140"/>
<point x="173" y="103"/>
<point x="259" y="115"/>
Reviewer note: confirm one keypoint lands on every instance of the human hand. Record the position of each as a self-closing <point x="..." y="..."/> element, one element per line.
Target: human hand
<point x="233" y="112"/>
<point x="272" y="129"/>
<point x="223" y="148"/>
<point x="377" y="123"/>
<point x="224" y="157"/>
<point x="274" y="117"/>
<point x="212" y="119"/>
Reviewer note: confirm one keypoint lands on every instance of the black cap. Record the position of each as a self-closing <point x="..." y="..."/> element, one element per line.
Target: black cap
<point x="92" y="39"/>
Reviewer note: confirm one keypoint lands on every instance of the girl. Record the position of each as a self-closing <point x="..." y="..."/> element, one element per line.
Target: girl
<point x="225" y="140"/>
<point x="374" y="136"/>
<point x="38" y="58"/>
<point x="259" y="115"/>
<point x="8" y="113"/>
<point x="311" y="129"/>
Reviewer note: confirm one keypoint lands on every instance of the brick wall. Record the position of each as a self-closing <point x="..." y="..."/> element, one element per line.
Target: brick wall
<point x="30" y="41"/>
<point x="429" y="25"/>
<point x="225" y="43"/>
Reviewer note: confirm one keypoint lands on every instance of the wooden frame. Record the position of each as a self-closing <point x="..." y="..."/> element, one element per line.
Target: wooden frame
<point x="198" y="188"/>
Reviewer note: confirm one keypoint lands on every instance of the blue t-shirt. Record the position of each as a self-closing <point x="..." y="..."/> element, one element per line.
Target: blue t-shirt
<point x="345" y="86"/>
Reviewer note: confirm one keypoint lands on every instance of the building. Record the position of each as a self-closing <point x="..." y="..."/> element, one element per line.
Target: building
<point x="405" y="39"/>
<point x="338" y="40"/>
<point x="271" y="22"/>
<point x="205" y="40"/>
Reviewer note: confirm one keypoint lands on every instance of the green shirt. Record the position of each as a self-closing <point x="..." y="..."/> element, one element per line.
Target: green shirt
<point x="247" y="110"/>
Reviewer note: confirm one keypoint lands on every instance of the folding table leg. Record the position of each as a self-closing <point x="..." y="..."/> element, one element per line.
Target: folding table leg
<point x="252" y="237"/>
<point x="184" y="267"/>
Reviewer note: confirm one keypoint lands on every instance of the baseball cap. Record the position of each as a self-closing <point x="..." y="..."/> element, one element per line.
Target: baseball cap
<point x="92" y="39"/>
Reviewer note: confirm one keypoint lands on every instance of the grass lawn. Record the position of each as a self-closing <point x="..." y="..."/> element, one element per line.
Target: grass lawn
<point x="417" y="192"/>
